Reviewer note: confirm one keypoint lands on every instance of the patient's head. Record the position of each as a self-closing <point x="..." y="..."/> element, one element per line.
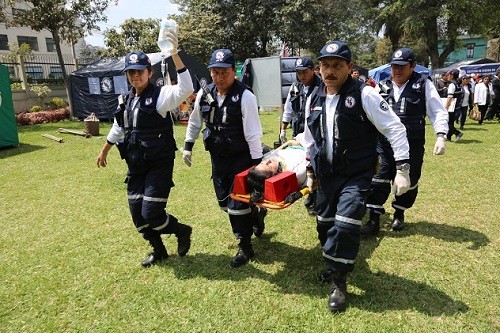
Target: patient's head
<point x="258" y="175"/>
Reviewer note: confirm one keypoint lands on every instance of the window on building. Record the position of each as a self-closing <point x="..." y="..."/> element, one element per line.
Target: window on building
<point x="31" y="41"/>
<point x="34" y="72"/>
<point x="4" y="42"/>
<point x="51" y="46"/>
<point x="470" y="50"/>
<point x="55" y="72"/>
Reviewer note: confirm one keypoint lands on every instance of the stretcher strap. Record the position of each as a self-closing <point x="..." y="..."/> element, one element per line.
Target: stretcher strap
<point x="291" y="198"/>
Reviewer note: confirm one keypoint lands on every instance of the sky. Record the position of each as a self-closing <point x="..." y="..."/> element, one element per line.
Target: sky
<point x="131" y="9"/>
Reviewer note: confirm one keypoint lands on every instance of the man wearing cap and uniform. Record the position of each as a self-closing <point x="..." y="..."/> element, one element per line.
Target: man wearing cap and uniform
<point x="411" y="96"/>
<point x="494" y="107"/>
<point x="232" y="135"/>
<point x="293" y="113"/>
<point x="344" y="117"/>
<point x="143" y="132"/>
<point x="453" y="103"/>
<point x="467" y="101"/>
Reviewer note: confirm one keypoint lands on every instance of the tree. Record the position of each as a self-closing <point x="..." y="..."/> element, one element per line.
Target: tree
<point x="136" y="34"/>
<point x="19" y="53"/>
<point x="67" y="21"/>
<point x="434" y="21"/>
<point x="257" y="28"/>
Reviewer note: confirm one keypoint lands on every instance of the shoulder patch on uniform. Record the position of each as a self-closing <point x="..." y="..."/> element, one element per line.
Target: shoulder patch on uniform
<point x="350" y="102"/>
<point x="384" y="105"/>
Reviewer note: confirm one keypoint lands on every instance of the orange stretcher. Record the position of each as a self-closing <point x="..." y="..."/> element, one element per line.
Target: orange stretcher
<point x="280" y="191"/>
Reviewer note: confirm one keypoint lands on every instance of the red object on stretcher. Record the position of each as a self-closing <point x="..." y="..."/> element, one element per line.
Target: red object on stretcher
<point x="276" y="189"/>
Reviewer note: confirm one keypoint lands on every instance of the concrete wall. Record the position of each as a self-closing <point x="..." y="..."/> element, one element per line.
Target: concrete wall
<point x="25" y="99"/>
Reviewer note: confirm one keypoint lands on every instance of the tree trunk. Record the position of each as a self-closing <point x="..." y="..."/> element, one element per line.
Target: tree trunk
<point x="67" y="83"/>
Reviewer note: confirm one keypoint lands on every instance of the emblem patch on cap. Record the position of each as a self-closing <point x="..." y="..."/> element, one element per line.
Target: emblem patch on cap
<point x="398" y="54"/>
<point x="350" y="102"/>
<point x="299" y="62"/>
<point x="332" y="48"/>
<point x="384" y="105"/>
<point x="219" y="56"/>
<point x="133" y="58"/>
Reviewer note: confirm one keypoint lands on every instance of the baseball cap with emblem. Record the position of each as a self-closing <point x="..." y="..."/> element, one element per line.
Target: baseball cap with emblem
<point x="454" y="72"/>
<point x="136" y="60"/>
<point x="335" y="49"/>
<point x="402" y="56"/>
<point x="303" y="63"/>
<point x="222" y="58"/>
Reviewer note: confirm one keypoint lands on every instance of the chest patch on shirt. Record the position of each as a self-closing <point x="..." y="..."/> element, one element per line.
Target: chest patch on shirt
<point x="148" y="101"/>
<point x="384" y="106"/>
<point x="350" y="102"/>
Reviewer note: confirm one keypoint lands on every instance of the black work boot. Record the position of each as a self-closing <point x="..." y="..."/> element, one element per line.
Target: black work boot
<point x="336" y="300"/>
<point x="398" y="223"/>
<point x="372" y="227"/>
<point x="159" y="251"/>
<point x="258" y="215"/>
<point x="326" y="275"/>
<point x="245" y="253"/>
<point x="183" y="234"/>
<point x="310" y="204"/>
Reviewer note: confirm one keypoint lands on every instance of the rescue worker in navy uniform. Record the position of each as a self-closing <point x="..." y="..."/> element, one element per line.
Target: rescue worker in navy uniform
<point x="293" y="112"/>
<point x="344" y="117"/>
<point x="143" y="132"/>
<point x="412" y="96"/>
<point x="232" y="135"/>
<point x="455" y="93"/>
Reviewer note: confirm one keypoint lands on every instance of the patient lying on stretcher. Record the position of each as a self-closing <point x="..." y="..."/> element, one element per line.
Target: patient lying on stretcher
<point x="290" y="156"/>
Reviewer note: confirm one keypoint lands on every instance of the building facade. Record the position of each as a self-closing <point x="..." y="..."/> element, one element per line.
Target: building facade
<point x="44" y="63"/>
<point x="470" y="47"/>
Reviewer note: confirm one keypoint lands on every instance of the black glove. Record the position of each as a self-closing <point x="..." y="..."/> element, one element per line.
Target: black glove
<point x="292" y="197"/>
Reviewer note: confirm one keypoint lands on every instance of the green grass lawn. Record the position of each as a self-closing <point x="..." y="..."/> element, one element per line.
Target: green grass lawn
<point x="70" y="254"/>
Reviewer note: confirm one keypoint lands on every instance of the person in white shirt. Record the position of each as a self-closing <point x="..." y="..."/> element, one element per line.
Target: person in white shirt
<point x="293" y="112"/>
<point x="290" y="156"/>
<point x="344" y="118"/>
<point x="412" y="97"/>
<point x="143" y="132"/>
<point x="467" y="101"/>
<point x="232" y="135"/>
<point x="482" y="96"/>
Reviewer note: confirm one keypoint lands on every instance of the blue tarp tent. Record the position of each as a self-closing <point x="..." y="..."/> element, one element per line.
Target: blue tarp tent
<point x="482" y="66"/>
<point x="384" y="71"/>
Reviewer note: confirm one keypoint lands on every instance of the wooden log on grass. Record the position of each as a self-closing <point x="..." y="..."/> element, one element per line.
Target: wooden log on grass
<point x="55" y="138"/>
<point x="75" y="132"/>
